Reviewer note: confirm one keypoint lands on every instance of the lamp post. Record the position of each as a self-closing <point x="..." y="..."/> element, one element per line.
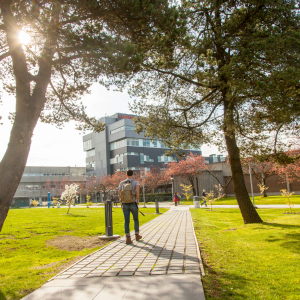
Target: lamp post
<point x="287" y="184"/>
<point x="49" y="199"/>
<point x="144" y="190"/>
<point x="172" y="180"/>
<point x="251" y="184"/>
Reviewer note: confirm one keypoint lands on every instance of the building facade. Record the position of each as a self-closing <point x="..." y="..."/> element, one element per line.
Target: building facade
<point x="36" y="182"/>
<point x="119" y="147"/>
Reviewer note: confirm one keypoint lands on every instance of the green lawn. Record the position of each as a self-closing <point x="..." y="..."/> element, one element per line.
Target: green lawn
<point x="257" y="261"/>
<point x="258" y="200"/>
<point x="27" y="262"/>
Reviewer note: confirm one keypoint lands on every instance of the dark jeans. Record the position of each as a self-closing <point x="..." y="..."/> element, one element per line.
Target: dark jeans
<point x="127" y="208"/>
<point x="204" y="202"/>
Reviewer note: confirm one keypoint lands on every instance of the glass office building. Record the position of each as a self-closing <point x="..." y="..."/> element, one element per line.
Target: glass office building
<point x="119" y="147"/>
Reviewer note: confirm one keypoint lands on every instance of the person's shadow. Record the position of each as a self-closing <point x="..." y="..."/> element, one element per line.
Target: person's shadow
<point x="151" y="247"/>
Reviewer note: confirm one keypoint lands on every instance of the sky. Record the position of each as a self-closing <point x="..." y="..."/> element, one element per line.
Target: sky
<point x="54" y="147"/>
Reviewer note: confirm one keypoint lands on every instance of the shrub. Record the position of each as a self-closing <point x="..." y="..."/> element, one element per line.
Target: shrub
<point x="159" y="196"/>
<point x="35" y="203"/>
<point x="287" y="195"/>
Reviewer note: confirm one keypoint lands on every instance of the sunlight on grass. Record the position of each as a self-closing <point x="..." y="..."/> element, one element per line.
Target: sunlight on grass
<point x="26" y="262"/>
<point x="255" y="261"/>
<point x="295" y="199"/>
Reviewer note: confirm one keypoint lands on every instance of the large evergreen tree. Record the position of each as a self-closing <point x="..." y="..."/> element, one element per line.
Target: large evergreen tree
<point x="231" y="75"/>
<point x="72" y="43"/>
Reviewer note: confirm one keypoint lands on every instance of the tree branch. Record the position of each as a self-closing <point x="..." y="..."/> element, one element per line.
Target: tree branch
<point x="223" y="185"/>
<point x="182" y="77"/>
<point x="66" y="60"/>
<point x="199" y="101"/>
<point x="4" y="55"/>
<point x="202" y="123"/>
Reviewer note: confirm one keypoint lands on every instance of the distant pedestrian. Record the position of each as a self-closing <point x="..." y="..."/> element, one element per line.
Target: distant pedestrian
<point x="204" y="198"/>
<point x="129" y="200"/>
<point x="178" y="198"/>
<point x="175" y="198"/>
<point x="114" y="199"/>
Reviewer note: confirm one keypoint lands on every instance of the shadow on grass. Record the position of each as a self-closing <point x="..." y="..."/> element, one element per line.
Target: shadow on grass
<point x="281" y="225"/>
<point x="215" y="287"/>
<point x="290" y="241"/>
<point x="2" y="297"/>
<point x="293" y="243"/>
<point x="76" y="216"/>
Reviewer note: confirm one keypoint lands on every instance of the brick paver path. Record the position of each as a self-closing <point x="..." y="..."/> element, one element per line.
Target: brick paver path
<point x="168" y="247"/>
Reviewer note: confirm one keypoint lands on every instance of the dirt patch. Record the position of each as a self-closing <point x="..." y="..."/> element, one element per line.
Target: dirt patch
<point x="230" y="229"/>
<point x="47" y="266"/>
<point x="6" y="236"/>
<point x="76" y="243"/>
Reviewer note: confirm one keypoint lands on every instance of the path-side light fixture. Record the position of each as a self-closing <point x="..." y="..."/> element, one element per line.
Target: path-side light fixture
<point x="144" y="190"/>
<point x="108" y="221"/>
<point x="172" y="180"/>
<point x="251" y="184"/>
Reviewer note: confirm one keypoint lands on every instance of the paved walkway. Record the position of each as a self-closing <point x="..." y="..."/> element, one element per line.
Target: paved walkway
<point x="164" y="265"/>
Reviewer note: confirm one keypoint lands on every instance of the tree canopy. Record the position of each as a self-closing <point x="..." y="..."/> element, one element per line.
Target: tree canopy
<point x="231" y="78"/>
<point x="50" y="54"/>
<point x="187" y="168"/>
<point x="260" y="170"/>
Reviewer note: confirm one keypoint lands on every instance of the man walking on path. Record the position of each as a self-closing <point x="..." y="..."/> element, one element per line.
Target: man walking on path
<point x="129" y="200"/>
<point x="203" y="198"/>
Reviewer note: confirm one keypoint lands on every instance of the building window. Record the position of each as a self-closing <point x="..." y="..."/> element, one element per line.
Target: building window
<point x="87" y="145"/>
<point x="137" y="143"/>
<point x="91" y="166"/>
<point x="164" y="158"/>
<point x="117" y="159"/>
<point x="118" y="144"/>
<point x="131" y="153"/>
<point x="133" y="142"/>
<point x="126" y="127"/>
<point x="146" y="143"/>
<point x="141" y="158"/>
<point x="90" y="153"/>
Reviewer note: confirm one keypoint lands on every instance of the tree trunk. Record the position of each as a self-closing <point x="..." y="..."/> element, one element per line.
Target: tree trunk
<point x="264" y="184"/>
<point x="223" y="186"/>
<point x="248" y="211"/>
<point x="28" y="108"/>
<point x="15" y="158"/>
<point x="191" y="180"/>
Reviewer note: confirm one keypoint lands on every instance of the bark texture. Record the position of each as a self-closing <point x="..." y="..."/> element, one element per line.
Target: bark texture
<point x="29" y="105"/>
<point x="248" y="211"/>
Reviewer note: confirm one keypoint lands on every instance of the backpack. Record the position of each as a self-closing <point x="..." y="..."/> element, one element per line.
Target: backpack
<point x="127" y="195"/>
